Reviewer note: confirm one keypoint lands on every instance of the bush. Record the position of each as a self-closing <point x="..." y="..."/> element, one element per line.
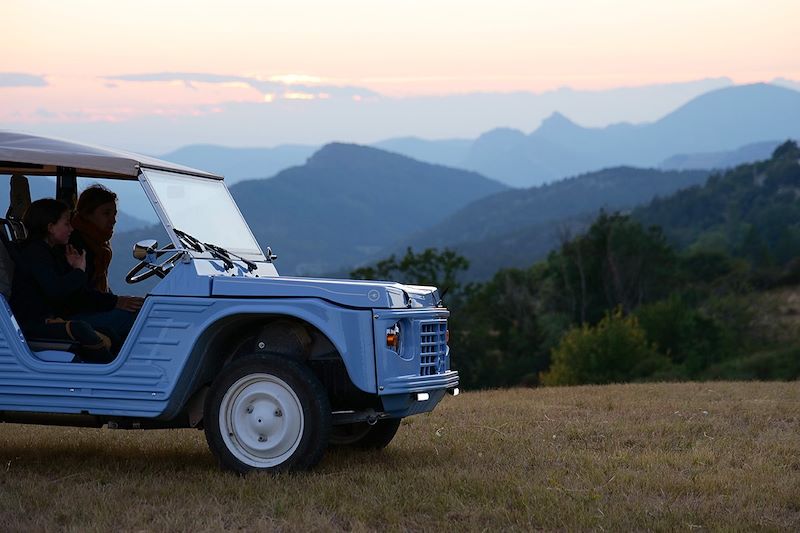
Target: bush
<point x="783" y="364"/>
<point x="615" y="350"/>
<point x="690" y="339"/>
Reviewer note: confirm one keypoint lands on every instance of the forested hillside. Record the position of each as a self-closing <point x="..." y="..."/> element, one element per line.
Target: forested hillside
<point x="721" y="160"/>
<point x="517" y="227"/>
<point x="349" y="201"/>
<point x="630" y="300"/>
<point x="751" y="212"/>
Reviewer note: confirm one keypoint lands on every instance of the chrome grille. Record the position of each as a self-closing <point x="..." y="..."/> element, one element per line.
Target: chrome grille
<point x="433" y="347"/>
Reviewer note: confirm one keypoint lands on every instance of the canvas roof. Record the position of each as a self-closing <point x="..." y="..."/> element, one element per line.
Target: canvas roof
<point x="35" y="155"/>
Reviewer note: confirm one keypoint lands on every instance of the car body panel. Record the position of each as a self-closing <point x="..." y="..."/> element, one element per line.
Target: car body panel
<point x="145" y="380"/>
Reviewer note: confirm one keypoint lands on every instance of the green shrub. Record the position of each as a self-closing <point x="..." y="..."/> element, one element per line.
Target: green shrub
<point x="782" y="364"/>
<point x="689" y="338"/>
<point x="615" y="350"/>
<point x="734" y="314"/>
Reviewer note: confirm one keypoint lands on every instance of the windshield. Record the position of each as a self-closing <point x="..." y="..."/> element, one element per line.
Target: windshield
<point x="203" y="208"/>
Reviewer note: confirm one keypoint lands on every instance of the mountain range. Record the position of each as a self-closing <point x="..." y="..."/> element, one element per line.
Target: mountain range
<point x="342" y="117"/>
<point x="518" y="227"/>
<point x="718" y="121"/>
<point x="350" y="205"/>
<point x="721" y="160"/>
<point x="346" y="203"/>
<point x="237" y="164"/>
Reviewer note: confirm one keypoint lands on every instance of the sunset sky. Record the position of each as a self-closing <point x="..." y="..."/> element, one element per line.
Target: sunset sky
<point x="101" y="61"/>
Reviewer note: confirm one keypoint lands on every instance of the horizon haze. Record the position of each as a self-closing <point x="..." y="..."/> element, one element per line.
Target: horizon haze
<point x="156" y="77"/>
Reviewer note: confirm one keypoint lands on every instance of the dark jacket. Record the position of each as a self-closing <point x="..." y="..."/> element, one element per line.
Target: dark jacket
<point x="46" y="286"/>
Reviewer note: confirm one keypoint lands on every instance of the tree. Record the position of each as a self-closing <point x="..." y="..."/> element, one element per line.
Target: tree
<point x="690" y="339"/>
<point x="496" y="336"/>
<point x="787" y="150"/>
<point x="429" y="267"/>
<point x="615" y="263"/>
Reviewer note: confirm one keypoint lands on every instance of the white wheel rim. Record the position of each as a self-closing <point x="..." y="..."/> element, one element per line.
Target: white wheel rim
<point x="261" y="420"/>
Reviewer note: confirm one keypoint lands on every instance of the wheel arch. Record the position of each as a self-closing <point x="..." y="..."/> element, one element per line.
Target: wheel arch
<point x="228" y="335"/>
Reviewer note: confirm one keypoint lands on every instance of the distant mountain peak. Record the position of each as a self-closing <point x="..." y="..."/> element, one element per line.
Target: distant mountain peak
<point x="356" y="157"/>
<point x="334" y="149"/>
<point x="557" y="118"/>
<point x="557" y="123"/>
<point x="347" y="154"/>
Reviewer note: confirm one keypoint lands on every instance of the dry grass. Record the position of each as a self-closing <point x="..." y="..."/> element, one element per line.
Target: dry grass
<point x="664" y="457"/>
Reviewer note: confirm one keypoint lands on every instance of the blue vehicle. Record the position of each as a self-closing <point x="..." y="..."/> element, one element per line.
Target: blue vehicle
<point x="274" y="369"/>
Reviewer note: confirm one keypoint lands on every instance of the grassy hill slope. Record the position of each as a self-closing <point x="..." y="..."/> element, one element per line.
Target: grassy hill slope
<point x="615" y="458"/>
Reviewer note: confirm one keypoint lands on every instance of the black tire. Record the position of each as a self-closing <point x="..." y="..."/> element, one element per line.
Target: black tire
<point x="363" y="436"/>
<point x="267" y="412"/>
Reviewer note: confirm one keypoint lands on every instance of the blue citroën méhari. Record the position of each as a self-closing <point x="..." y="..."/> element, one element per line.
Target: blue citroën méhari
<point x="272" y="368"/>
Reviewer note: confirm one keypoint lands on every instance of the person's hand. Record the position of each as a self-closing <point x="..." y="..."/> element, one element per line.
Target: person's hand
<point x="129" y="303"/>
<point x="75" y="259"/>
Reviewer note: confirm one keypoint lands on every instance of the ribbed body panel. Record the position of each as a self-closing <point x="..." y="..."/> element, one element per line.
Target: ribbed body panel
<point x="154" y="370"/>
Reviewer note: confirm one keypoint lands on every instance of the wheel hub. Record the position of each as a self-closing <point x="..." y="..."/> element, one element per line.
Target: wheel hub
<point x="262" y="420"/>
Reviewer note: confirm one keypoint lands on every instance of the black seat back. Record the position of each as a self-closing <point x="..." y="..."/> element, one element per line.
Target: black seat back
<point x="19" y="197"/>
<point x="12" y="232"/>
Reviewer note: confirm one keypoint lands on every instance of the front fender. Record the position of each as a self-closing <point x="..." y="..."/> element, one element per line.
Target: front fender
<point x="172" y="334"/>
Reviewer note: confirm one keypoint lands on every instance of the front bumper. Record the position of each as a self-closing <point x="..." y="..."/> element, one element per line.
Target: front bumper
<point x="414" y="384"/>
<point x="402" y="405"/>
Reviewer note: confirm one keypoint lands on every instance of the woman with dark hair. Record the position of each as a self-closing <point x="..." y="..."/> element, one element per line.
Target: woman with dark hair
<point x="93" y="224"/>
<point x="51" y="297"/>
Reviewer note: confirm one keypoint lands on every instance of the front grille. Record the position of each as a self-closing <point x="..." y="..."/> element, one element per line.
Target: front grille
<point x="433" y="347"/>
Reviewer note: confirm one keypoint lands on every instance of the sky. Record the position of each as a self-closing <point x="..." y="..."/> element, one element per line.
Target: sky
<point x="80" y="67"/>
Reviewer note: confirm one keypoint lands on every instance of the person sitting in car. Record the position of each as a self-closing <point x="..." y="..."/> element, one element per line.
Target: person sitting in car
<point x="93" y="226"/>
<point x="51" y="297"/>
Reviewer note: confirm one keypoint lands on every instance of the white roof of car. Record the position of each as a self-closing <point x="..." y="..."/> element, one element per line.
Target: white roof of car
<point x="35" y="155"/>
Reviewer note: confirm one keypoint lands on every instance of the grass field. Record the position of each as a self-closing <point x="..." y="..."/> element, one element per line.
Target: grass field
<point x="660" y="456"/>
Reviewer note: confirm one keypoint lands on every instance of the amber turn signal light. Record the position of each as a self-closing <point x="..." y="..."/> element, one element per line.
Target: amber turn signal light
<point x="392" y="340"/>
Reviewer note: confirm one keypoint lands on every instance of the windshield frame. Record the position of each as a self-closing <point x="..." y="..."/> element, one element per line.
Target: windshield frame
<point x="255" y="254"/>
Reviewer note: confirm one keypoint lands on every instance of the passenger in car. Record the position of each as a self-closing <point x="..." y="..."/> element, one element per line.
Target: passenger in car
<point x="93" y="225"/>
<point x="51" y="297"/>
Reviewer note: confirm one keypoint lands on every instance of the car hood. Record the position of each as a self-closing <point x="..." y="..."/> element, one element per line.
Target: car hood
<point x="352" y="293"/>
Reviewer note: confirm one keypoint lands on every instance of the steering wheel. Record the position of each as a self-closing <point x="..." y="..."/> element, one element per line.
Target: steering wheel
<point x="160" y="270"/>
